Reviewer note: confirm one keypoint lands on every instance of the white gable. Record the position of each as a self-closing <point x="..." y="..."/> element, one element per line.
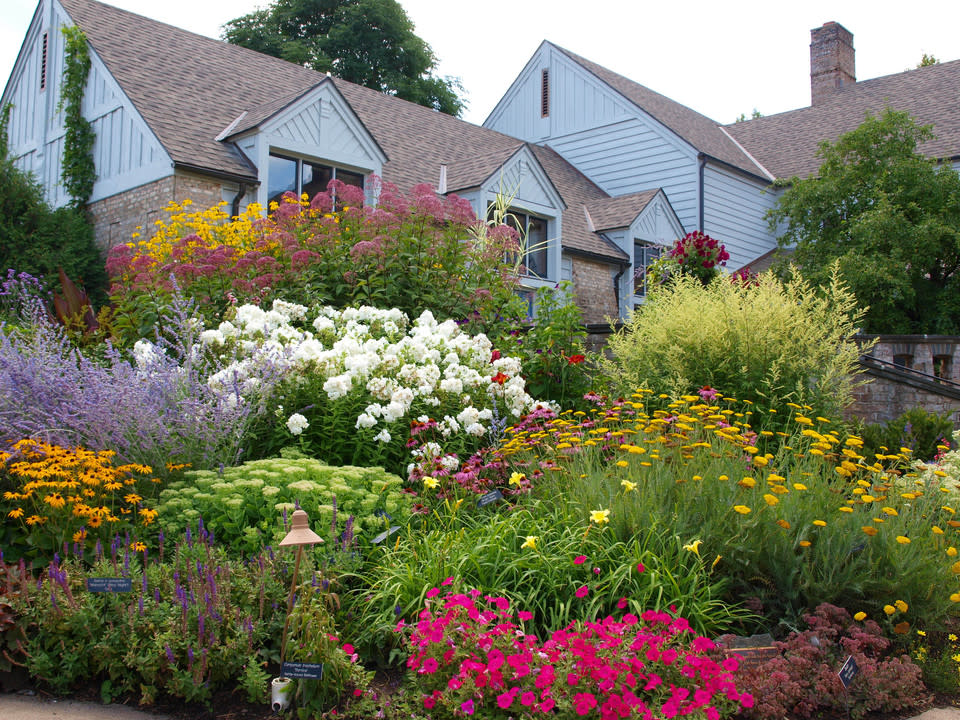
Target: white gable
<point x="523" y="179"/>
<point x="126" y="151"/>
<point x="657" y="223"/>
<point x="321" y="125"/>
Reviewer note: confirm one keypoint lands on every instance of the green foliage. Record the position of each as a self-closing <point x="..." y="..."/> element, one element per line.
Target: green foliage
<point x="79" y="170"/>
<point x="556" y="364"/>
<point x="916" y="429"/>
<point x="36" y="239"/>
<point x="189" y="626"/>
<point x="368" y="42"/>
<point x="769" y="342"/>
<point x="243" y="505"/>
<point x="484" y="549"/>
<point x="890" y="217"/>
<point x="927" y="61"/>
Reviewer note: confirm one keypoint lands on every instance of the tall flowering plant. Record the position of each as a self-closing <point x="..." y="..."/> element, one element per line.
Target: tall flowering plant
<point x="471" y="656"/>
<point x="413" y="252"/>
<point x="356" y="380"/>
<point x="696" y="254"/>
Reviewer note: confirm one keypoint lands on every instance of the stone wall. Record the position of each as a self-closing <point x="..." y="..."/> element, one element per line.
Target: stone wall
<point x="886" y="396"/>
<point x="118" y="217"/>
<point x="593" y="284"/>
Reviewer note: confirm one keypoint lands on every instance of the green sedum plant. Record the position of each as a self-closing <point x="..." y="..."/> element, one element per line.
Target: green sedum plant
<point x="244" y="505"/>
<point x="768" y="342"/>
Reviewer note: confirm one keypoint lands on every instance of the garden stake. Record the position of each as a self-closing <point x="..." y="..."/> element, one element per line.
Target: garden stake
<point x="300" y="534"/>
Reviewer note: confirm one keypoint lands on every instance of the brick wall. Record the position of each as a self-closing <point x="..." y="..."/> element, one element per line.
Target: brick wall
<point x="935" y="355"/>
<point x="594" y="293"/>
<point x="117" y="217"/>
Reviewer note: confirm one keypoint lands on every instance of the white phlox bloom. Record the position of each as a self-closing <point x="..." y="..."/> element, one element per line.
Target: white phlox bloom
<point x="297" y="423"/>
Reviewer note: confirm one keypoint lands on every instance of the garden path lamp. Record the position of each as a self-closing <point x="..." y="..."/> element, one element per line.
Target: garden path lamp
<point x="300" y="534"/>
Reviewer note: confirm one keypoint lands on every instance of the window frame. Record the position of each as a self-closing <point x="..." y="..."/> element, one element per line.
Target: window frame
<point x="640" y="289"/>
<point x="542" y="252"/>
<point x="298" y="172"/>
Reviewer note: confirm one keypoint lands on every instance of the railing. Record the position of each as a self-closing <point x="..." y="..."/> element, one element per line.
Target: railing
<point x="909" y="376"/>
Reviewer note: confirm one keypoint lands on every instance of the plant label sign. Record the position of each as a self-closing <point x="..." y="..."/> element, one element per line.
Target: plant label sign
<point x="302" y="670"/>
<point x="490" y="497"/>
<point x="384" y="535"/>
<point x="109" y="585"/>
<point x="848" y="672"/>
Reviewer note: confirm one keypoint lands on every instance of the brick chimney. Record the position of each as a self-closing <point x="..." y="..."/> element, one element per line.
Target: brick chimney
<point x="832" y="62"/>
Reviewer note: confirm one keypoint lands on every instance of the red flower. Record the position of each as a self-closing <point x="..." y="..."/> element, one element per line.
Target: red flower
<point x="499" y="378"/>
<point x="495" y="355"/>
<point x="575" y="359"/>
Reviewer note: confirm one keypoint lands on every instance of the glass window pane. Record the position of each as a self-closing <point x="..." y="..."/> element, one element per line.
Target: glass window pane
<point x="314" y="178"/>
<point x="281" y="177"/>
<point x="536" y="257"/>
<point x="350" y="178"/>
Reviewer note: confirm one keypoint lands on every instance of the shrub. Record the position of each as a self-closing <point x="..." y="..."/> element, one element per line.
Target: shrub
<point x="244" y="504"/>
<point x="414" y="253"/>
<point x="768" y="343"/>
<point x="37" y="239"/>
<point x="469" y="656"/>
<point x="916" y="429"/>
<point x="802" y="680"/>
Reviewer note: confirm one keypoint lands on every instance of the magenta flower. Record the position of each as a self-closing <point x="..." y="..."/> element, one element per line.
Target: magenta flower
<point x="467" y="707"/>
<point x="579" y="559"/>
<point x="582" y="591"/>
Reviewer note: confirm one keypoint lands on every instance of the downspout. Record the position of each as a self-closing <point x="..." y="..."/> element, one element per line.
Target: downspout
<point x="235" y="205"/>
<point x="701" y="164"/>
<point x="624" y="266"/>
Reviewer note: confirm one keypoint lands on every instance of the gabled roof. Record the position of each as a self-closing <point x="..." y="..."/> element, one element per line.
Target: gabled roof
<point x="620" y="211"/>
<point x="187" y="87"/>
<point x="190" y="89"/>
<point x="577" y="192"/>
<point x="704" y="134"/>
<point x="786" y="143"/>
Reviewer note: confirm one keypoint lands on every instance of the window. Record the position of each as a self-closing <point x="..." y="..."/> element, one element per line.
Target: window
<point x="942" y="366"/>
<point x="533" y="237"/>
<point x="644" y="255"/>
<point x="287" y="174"/>
<point x="903" y="360"/>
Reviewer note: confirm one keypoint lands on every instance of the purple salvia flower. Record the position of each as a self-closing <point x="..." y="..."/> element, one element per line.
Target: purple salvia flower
<point x="169" y="652"/>
<point x="189" y="657"/>
<point x="140" y="605"/>
<point x="189" y="538"/>
<point x="156" y="595"/>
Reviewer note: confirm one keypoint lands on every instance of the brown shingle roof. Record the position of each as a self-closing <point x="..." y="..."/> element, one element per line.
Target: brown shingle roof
<point x="190" y="88"/>
<point x="577" y="192"/>
<point x="700" y="131"/>
<point x="620" y="211"/>
<point x="786" y="143"/>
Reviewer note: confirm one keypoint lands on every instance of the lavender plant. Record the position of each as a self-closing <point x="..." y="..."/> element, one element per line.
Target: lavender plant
<point x="154" y="409"/>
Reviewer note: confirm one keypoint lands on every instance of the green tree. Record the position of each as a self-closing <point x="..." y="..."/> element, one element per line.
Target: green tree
<point x="368" y="42"/>
<point x="890" y="216"/>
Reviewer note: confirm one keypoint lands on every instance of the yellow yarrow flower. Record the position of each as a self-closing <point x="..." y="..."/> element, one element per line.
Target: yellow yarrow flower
<point x="742" y="509"/>
<point x="860" y="616"/>
<point x="901" y="605"/>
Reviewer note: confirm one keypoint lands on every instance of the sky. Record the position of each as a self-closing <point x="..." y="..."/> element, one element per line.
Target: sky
<point x="721" y="59"/>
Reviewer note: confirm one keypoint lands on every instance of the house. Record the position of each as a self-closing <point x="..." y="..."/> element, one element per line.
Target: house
<point x="607" y="171"/>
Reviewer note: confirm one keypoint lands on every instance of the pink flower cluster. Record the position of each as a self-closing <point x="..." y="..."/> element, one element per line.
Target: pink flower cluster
<point x="470" y="657"/>
<point x="699" y="249"/>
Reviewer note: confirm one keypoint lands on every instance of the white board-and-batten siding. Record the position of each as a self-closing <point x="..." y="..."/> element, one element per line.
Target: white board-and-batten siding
<point x="606" y="137"/>
<point x="126" y="152"/>
<point x="734" y="213"/>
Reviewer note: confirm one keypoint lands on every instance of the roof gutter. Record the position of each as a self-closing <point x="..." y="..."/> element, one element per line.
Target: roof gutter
<point x="219" y="174"/>
<point x="597" y="256"/>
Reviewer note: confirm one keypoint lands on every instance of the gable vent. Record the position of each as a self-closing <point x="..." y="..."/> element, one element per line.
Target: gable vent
<point x="43" y="64"/>
<point x="545" y="92"/>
